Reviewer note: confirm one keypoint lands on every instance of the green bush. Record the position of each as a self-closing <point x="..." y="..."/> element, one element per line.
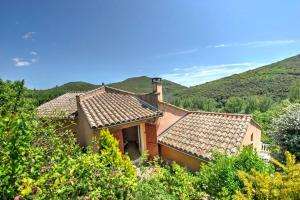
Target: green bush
<point x="168" y="182"/>
<point x="100" y="175"/>
<point x="219" y="178"/>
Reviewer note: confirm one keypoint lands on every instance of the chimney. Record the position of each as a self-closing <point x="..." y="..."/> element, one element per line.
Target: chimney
<point x="157" y="88"/>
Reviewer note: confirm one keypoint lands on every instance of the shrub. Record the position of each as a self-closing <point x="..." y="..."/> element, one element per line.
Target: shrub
<point x="91" y="175"/>
<point x="284" y="184"/>
<point x="219" y="178"/>
<point x="168" y="182"/>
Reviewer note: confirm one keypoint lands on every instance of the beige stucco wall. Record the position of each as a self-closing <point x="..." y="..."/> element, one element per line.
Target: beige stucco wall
<point x="170" y="116"/>
<point x="256" y="131"/>
<point x="169" y="155"/>
<point x="85" y="132"/>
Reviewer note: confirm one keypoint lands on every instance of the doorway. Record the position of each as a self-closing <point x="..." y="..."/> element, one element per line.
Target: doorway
<point x="132" y="142"/>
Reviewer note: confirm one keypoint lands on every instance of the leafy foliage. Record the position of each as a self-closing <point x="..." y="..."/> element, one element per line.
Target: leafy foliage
<point x="90" y="175"/>
<point x="169" y="182"/>
<point x="286" y="130"/>
<point x="220" y="179"/>
<point x="284" y="184"/>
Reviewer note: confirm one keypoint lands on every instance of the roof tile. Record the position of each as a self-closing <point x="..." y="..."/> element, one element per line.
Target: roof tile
<point x="65" y="104"/>
<point x="201" y="133"/>
<point x="110" y="107"/>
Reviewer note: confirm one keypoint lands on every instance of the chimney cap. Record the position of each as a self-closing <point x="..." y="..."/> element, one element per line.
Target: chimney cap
<point x="156" y="80"/>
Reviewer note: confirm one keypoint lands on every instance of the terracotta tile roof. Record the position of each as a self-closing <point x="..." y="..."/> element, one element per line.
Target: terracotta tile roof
<point x="200" y="133"/>
<point x="107" y="106"/>
<point x="65" y="104"/>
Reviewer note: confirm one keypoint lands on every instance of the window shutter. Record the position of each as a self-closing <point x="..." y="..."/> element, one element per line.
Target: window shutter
<point x="151" y="140"/>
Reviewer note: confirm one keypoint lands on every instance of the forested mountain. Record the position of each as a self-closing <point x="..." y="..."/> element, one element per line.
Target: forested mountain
<point x="272" y="80"/>
<point x="43" y="96"/>
<point x="142" y="84"/>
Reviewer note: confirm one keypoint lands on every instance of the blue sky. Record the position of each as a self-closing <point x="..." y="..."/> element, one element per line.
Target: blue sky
<point x="52" y="42"/>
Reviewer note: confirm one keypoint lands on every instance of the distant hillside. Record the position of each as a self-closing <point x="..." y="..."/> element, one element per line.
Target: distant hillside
<point x="272" y="80"/>
<point x="43" y="96"/>
<point x="137" y="84"/>
<point x="143" y="84"/>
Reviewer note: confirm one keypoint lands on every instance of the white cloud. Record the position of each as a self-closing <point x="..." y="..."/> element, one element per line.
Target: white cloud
<point x="34" y="60"/>
<point x="189" y="51"/>
<point x="28" y="35"/>
<point x="20" y="62"/>
<point x="34" y="53"/>
<point x="194" y="75"/>
<point x="263" y="43"/>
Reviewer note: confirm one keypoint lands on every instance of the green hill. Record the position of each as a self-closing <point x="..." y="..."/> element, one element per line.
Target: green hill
<point x="271" y="80"/>
<point x="43" y="96"/>
<point x="142" y="84"/>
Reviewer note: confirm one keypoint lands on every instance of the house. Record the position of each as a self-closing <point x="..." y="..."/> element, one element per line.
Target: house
<point x="144" y="122"/>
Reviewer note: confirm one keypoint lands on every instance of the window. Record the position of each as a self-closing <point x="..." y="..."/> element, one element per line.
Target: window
<point x="251" y="137"/>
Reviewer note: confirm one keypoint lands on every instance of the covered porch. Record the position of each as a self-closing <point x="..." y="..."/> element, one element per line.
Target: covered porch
<point x="136" y="138"/>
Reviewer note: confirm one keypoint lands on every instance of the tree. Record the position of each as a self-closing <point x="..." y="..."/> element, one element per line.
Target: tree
<point x="252" y="104"/>
<point x="286" y="130"/>
<point x="16" y="136"/>
<point x="210" y="105"/>
<point x="284" y="184"/>
<point x="294" y="93"/>
<point x="265" y="103"/>
<point x="265" y="119"/>
<point x="234" y="105"/>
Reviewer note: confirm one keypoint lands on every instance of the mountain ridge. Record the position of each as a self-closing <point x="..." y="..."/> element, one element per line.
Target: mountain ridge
<point x="271" y="80"/>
